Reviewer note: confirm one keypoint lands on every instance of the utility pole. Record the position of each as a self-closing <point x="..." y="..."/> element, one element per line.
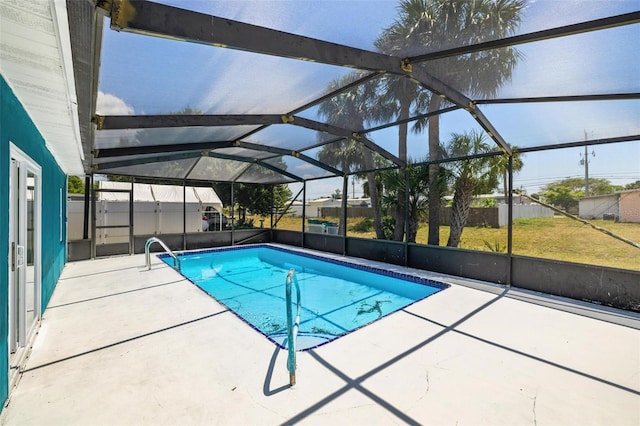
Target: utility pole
<point x="585" y="161"/>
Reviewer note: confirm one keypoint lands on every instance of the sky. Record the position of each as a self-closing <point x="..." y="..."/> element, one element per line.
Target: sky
<point x="146" y="75"/>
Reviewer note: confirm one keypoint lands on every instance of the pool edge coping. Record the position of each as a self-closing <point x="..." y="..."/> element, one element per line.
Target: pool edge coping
<point x="411" y="275"/>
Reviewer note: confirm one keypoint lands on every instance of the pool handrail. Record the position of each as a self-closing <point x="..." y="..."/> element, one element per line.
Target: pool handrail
<point x="292" y="326"/>
<point x="147" y="255"/>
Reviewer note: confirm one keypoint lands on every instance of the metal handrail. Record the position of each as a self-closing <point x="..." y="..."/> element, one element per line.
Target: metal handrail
<point x="292" y="326"/>
<point x="147" y="258"/>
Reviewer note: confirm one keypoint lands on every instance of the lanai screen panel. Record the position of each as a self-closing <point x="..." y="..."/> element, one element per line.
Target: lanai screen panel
<point x="592" y="63"/>
<point x="298" y="167"/>
<point x="349" y="156"/>
<point x="168" y="136"/>
<point x="150" y="75"/>
<point x="615" y="163"/>
<point x="288" y="136"/>
<point x="352" y="23"/>
<point x="173" y="169"/>
<point x="543" y="124"/>
<point x="244" y="153"/>
<point x="217" y="169"/>
<point x="108" y="161"/>
<point x="543" y="15"/>
<point x="370" y="102"/>
<point x="261" y="175"/>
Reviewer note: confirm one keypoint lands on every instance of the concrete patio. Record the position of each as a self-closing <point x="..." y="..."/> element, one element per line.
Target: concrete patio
<point x="122" y="345"/>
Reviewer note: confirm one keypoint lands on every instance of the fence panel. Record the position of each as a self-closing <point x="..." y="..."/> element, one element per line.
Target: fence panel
<point x="527" y="211"/>
<point x="170" y="218"/>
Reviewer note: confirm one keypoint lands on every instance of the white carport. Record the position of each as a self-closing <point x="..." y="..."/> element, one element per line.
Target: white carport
<point x="158" y="209"/>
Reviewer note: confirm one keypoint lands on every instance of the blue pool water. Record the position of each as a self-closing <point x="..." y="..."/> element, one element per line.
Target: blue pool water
<point x="337" y="297"/>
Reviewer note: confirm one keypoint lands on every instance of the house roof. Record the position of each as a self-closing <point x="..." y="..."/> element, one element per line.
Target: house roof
<point x="613" y="194"/>
<point x="36" y="62"/>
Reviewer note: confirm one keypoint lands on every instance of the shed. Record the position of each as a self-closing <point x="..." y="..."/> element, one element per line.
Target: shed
<point x="623" y="206"/>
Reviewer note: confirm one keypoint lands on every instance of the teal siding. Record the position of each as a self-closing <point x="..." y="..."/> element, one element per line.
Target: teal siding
<point x="4" y="247"/>
<point x="17" y="127"/>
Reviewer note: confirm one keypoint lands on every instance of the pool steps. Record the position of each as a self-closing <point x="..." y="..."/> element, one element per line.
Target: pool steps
<point x="292" y="326"/>
<point x="147" y="256"/>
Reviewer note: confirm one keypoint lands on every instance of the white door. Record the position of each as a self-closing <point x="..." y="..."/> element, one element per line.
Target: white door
<point x="24" y="253"/>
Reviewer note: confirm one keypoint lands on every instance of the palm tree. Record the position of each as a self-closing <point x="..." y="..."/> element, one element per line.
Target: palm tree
<point x="395" y="184"/>
<point x="350" y="110"/>
<point x="398" y="93"/>
<point x="502" y="163"/>
<point x="472" y="177"/>
<point x="428" y="25"/>
<point x="344" y="155"/>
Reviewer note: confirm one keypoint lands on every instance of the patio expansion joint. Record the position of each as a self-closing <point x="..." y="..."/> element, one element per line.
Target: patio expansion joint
<point x="115" y="294"/>
<point x="453" y="329"/>
<point x="64" y="276"/>
<point x="121" y="342"/>
<point x="356" y="383"/>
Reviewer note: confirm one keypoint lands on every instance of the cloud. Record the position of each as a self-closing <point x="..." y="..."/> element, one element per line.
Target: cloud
<point x="108" y="104"/>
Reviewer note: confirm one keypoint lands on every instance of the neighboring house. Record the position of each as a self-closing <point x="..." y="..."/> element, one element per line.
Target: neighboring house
<point x="359" y="202"/>
<point x="623" y="206"/>
<point x="295" y="209"/>
<point x="315" y="206"/>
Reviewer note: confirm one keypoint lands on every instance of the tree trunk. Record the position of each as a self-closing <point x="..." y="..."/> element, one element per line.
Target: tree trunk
<point x="375" y="206"/>
<point x="374" y="194"/>
<point x="462" y="199"/>
<point x="398" y="232"/>
<point x="434" y="171"/>
<point x="412" y="228"/>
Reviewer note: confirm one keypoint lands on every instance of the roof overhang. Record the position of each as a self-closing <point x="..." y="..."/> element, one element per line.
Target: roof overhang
<point x="38" y="66"/>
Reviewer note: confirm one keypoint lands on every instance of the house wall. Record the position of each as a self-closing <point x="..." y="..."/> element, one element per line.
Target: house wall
<point x="597" y="207"/>
<point x="630" y="206"/>
<point x="17" y="127"/>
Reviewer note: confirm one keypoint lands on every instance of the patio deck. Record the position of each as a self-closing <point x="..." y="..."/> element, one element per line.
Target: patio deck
<point x="122" y="345"/>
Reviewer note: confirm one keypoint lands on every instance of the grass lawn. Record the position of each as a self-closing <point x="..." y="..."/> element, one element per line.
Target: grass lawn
<point x="558" y="238"/>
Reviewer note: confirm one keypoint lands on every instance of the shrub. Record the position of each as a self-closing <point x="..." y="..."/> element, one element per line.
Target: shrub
<point x="365" y="225"/>
<point x="388" y="226"/>
<point x="495" y="247"/>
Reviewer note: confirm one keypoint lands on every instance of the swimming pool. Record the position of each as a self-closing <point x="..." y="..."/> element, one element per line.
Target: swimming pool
<point x="337" y="297"/>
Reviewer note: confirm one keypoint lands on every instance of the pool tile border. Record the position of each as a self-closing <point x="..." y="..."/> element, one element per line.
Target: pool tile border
<point x="368" y="268"/>
<point x="376" y="270"/>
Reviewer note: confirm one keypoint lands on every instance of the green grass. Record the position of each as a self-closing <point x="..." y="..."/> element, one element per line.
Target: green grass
<point x="558" y="238"/>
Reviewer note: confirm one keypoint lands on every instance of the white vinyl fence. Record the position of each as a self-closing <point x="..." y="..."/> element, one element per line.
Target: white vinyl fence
<point x="157" y="210"/>
<point x="529" y="211"/>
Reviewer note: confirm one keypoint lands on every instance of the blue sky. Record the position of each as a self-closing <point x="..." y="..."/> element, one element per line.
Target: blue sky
<point x="145" y="75"/>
